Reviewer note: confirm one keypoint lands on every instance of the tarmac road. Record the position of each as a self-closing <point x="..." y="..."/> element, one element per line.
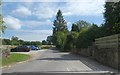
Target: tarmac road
<point x="53" y="61"/>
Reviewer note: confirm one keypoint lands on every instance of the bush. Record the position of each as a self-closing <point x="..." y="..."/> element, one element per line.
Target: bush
<point x="60" y="39"/>
<point x="71" y="41"/>
<point x="87" y="36"/>
<point x="46" y="46"/>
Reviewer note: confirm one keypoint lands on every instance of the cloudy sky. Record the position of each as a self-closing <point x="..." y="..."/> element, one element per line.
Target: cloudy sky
<point x="33" y="21"/>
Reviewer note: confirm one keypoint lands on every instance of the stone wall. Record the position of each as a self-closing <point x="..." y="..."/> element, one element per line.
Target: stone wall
<point x="108" y="57"/>
<point x="106" y="52"/>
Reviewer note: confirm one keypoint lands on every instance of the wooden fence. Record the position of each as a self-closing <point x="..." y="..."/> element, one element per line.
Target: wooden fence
<point x="108" y="50"/>
<point x="108" y="42"/>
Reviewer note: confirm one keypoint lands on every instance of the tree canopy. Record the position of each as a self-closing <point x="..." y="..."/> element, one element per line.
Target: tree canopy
<point x="16" y="41"/>
<point x="59" y="30"/>
<point x="75" y="28"/>
<point x="2" y="23"/>
<point x="59" y="23"/>
<point x="112" y="17"/>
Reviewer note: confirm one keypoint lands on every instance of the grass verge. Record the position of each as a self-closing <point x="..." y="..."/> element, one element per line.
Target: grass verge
<point x="14" y="57"/>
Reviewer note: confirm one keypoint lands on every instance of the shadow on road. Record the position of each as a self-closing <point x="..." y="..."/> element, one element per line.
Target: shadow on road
<point x="62" y="57"/>
<point x="95" y="66"/>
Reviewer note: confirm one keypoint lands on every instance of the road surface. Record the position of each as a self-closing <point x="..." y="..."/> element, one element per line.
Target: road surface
<point x="55" y="61"/>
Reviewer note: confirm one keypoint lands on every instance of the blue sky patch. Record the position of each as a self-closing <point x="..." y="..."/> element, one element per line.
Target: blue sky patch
<point x="33" y="21"/>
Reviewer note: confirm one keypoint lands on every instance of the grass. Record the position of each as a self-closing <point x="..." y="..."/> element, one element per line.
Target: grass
<point x="14" y="57"/>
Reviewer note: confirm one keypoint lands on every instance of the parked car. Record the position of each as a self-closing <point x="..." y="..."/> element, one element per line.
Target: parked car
<point x="20" y="49"/>
<point x="34" y="47"/>
<point x="38" y="48"/>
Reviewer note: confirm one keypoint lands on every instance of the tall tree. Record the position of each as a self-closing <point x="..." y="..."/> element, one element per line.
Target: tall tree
<point x="14" y="40"/>
<point x="112" y="17"/>
<point x="6" y="42"/>
<point x="49" y="40"/>
<point x="60" y="39"/>
<point x="44" y="42"/>
<point x="71" y="41"/>
<point x="82" y="24"/>
<point x="59" y="24"/>
<point x="75" y="28"/>
<point x="59" y="30"/>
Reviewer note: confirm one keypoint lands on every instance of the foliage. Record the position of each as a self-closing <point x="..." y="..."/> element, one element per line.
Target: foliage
<point x="72" y="38"/>
<point x="6" y="42"/>
<point x="75" y="28"/>
<point x="49" y="40"/>
<point x="46" y="46"/>
<point x="71" y="41"/>
<point x="82" y="24"/>
<point x="15" y="41"/>
<point x="14" y="38"/>
<point x="82" y="33"/>
<point x="59" y="31"/>
<point x="44" y="42"/>
<point x="60" y="39"/>
<point x="116" y="28"/>
<point x="81" y="36"/>
<point x="35" y="43"/>
<point x="87" y="36"/>
<point x="112" y="17"/>
<point x="2" y="24"/>
<point x="59" y="23"/>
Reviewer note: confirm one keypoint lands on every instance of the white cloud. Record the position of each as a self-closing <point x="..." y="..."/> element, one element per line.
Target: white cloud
<point x="47" y="10"/>
<point x="90" y="8"/>
<point x="12" y="23"/>
<point x="33" y="23"/>
<point x="75" y="8"/>
<point x="67" y="13"/>
<point x="46" y="32"/>
<point x="15" y="24"/>
<point x="22" y="11"/>
<point x="56" y="0"/>
<point x="44" y="12"/>
<point x="34" y="35"/>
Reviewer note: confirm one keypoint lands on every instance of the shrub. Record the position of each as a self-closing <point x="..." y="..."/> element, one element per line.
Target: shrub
<point x="46" y="46"/>
<point x="60" y="39"/>
<point x="87" y="36"/>
<point x="71" y="41"/>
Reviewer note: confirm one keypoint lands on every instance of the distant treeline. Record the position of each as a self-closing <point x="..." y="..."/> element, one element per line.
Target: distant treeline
<point x="16" y="41"/>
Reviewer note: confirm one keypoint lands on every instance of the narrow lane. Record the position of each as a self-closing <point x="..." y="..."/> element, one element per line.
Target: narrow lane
<point x="54" y="61"/>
